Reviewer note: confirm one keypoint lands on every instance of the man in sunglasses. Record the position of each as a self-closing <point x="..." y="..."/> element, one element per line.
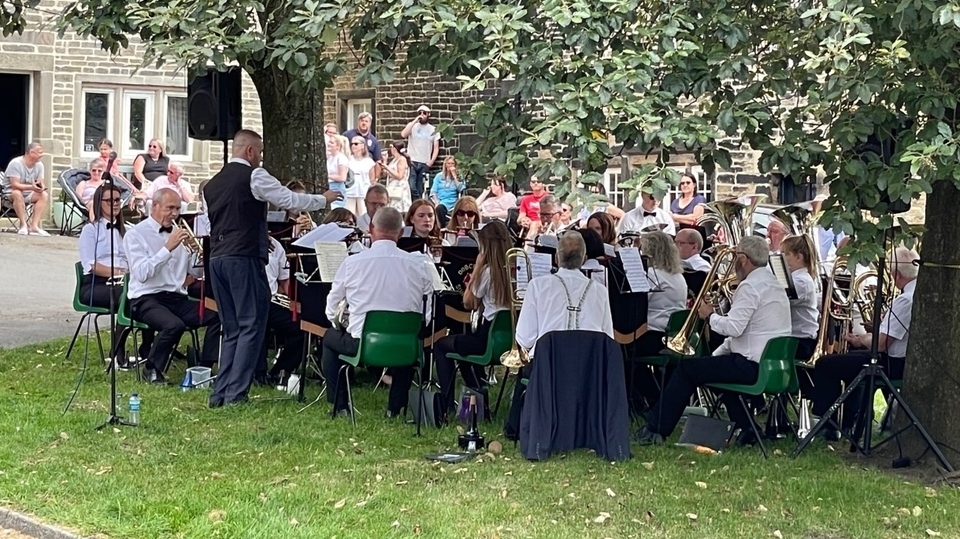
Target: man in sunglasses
<point x="423" y="145"/>
<point x="173" y="179"/>
<point x="646" y="217"/>
<point x="530" y="207"/>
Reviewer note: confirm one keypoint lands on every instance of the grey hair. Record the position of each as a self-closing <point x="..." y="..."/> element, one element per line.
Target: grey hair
<point x="364" y="115"/>
<point x="97" y="160"/>
<point x="176" y="165"/>
<point x="159" y="195"/>
<point x="33" y="146"/>
<point x="388" y="220"/>
<point x="571" y="250"/>
<point x="377" y="189"/>
<point x="694" y="235"/>
<point x="550" y="200"/>
<point x="902" y="261"/>
<point x="661" y="251"/>
<point x="756" y="249"/>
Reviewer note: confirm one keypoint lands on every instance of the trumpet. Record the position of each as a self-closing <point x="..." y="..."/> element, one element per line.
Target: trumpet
<point x="190" y="242"/>
<point x="516" y="357"/>
<point x="302" y="225"/>
<point x="282" y="300"/>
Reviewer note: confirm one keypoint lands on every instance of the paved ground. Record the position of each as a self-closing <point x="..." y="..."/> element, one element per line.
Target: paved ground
<point x="36" y="289"/>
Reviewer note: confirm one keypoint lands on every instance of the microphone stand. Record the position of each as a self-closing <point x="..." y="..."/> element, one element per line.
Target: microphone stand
<point x="112" y="417"/>
<point x="871" y="378"/>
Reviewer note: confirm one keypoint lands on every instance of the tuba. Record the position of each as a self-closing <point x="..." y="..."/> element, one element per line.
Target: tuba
<point x="864" y="291"/>
<point x="734" y="216"/>
<point x="686" y="340"/>
<point x="836" y="305"/>
<point x="516" y="357"/>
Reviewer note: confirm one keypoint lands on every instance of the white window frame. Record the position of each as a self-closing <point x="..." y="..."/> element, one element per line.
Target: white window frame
<point x="357" y="106"/>
<point x="166" y="118"/>
<point x="111" y="116"/>
<point x="150" y="113"/>
<point x="615" y="195"/>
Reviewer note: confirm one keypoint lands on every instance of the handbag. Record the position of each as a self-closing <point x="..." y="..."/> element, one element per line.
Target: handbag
<point x="395" y="189"/>
<point x="431" y="409"/>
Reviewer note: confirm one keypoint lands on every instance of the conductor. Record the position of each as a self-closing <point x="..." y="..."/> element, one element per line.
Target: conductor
<point x="237" y="198"/>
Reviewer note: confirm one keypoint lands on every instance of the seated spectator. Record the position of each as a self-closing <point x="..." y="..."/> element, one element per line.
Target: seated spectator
<point x="87" y="188"/>
<point x="23" y="186"/>
<point x="496" y="201"/>
<point x="172" y="180"/>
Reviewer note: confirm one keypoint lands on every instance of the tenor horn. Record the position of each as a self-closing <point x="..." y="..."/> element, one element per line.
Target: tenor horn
<point x="516" y="357"/>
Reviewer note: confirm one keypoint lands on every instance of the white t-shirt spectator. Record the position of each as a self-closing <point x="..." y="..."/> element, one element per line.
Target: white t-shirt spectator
<point x="18" y="169"/>
<point x="361" y="176"/>
<point x="333" y="164"/>
<point x="420" y="143"/>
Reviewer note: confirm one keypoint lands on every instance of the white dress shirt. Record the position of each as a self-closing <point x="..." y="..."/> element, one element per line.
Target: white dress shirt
<point x="668" y="294"/>
<point x="896" y="323"/>
<point x="277" y="267"/>
<point x="363" y="223"/>
<point x="805" y="310"/>
<point x="697" y="263"/>
<point x="482" y="290"/>
<point x="95" y="246"/>
<point x="381" y="278"/>
<point x="163" y="182"/>
<point x="266" y="188"/>
<point x="545" y="307"/>
<point x="153" y="268"/>
<point x="760" y="311"/>
<point x="636" y="221"/>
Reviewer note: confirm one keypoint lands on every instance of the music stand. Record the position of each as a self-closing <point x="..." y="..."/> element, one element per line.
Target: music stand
<point x="871" y="378"/>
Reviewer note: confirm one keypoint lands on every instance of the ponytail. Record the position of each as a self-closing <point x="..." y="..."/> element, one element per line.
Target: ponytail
<point x="803" y="246"/>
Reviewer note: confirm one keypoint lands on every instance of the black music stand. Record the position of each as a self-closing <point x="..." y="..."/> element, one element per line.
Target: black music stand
<point x="871" y="378"/>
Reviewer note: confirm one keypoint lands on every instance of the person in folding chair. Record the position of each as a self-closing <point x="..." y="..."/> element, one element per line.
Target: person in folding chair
<point x="102" y="281"/>
<point x="381" y="278"/>
<point x="23" y="186"/>
<point x="759" y="312"/>
<point x="487" y="288"/>
<point x="161" y="269"/>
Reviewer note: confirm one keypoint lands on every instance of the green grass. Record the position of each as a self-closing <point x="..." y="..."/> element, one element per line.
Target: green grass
<point x="264" y="471"/>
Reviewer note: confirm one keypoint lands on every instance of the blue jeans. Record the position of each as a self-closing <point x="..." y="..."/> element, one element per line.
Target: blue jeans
<point x="341" y="188"/>
<point x="417" y="177"/>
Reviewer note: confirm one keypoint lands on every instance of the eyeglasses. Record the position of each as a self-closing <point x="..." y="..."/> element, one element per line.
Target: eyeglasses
<point x="565" y="210"/>
<point x="153" y="146"/>
<point x="686" y="183"/>
<point x="356" y="143"/>
<point x="549" y="214"/>
<point x="461" y="213"/>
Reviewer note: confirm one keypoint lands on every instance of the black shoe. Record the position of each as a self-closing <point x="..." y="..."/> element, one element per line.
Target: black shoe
<point x="216" y="403"/>
<point x="647" y="437"/>
<point x="830" y="435"/>
<point x="242" y="399"/>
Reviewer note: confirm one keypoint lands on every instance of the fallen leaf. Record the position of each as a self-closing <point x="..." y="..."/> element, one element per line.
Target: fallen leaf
<point x="647" y="465"/>
<point x="503" y="493"/>
<point x="611" y="493"/>
<point x="917" y="511"/>
<point x="340" y="504"/>
<point x="701" y="484"/>
<point x="217" y="515"/>
<point x="601" y="518"/>
<point x="725" y="510"/>
<point x="64" y="436"/>
<point x="692" y="516"/>
<point x="762" y="508"/>
<point x="932" y="533"/>
<point x="103" y="470"/>
<point x="379" y="478"/>
<point x="648" y="516"/>
<point x="777" y="534"/>
<point x="396" y="524"/>
<point x="400" y="483"/>
<point x="904" y="511"/>
<point x="361" y="503"/>
<point x="417" y="530"/>
<point x="294" y="522"/>
<point x="931" y="492"/>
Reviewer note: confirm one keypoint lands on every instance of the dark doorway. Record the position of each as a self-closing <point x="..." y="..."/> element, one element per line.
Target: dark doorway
<point x="15" y="96"/>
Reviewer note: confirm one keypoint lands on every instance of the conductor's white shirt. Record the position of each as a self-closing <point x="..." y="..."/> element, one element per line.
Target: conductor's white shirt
<point x="381" y="278"/>
<point x="545" y="307"/>
<point x="759" y="312"/>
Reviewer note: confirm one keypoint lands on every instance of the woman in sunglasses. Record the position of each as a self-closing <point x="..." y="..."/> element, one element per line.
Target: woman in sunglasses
<point x="150" y="166"/>
<point x="464" y="217"/>
<point x="688" y="207"/>
<point x="87" y="188"/>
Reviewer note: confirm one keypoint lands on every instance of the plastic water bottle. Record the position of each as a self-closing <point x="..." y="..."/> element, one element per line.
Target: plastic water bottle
<point x="134" y="409"/>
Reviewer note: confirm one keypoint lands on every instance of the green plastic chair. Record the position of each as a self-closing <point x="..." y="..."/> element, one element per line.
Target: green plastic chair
<point x="87" y="310"/>
<point x="777" y="372"/>
<point x="389" y="340"/>
<point x="674" y="324"/>
<point x="499" y="340"/>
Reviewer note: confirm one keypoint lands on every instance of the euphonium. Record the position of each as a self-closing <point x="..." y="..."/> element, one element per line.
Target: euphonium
<point x="516" y="357"/>
<point x="686" y="340"/>
<point x="836" y="306"/>
<point x="864" y="292"/>
<point x="733" y="216"/>
<point x="341" y="317"/>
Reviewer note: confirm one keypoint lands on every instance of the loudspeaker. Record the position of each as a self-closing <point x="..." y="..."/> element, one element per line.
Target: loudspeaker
<point x="213" y="105"/>
<point x="882" y="146"/>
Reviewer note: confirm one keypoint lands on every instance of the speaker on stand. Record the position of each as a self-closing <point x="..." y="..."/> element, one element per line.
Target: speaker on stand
<point x="214" y="110"/>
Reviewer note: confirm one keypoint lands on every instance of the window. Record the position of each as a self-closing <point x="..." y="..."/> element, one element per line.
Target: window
<point x="131" y="117"/>
<point x="97" y="116"/>
<point x="616" y="195"/>
<point x="354" y="108"/>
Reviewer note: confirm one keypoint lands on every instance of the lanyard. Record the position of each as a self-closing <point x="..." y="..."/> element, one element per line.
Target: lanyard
<point x="573" y="311"/>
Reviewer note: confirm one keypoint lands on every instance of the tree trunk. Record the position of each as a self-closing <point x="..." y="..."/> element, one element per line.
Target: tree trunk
<point x="931" y="385"/>
<point x="294" y="147"/>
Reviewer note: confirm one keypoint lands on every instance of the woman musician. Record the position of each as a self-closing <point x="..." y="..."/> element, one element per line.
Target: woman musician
<point x="302" y="223"/>
<point x="105" y="263"/>
<point x="805" y="310"/>
<point x="464" y="218"/>
<point x="488" y="286"/>
<point x="422" y="218"/>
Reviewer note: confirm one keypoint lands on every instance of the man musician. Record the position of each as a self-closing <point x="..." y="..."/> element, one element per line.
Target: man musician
<point x="161" y="269"/>
<point x="647" y="215"/>
<point x="381" y="278"/>
<point x="759" y="312"/>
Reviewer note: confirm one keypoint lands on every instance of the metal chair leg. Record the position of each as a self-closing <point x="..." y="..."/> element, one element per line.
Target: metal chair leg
<point x="753" y="426"/>
<point x="75" y="335"/>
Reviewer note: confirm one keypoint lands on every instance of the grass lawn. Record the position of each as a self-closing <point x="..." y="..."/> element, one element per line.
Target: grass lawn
<point x="264" y="471"/>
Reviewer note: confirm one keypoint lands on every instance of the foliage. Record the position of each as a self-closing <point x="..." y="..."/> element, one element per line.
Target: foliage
<point x="13" y="15"/>
<point x="264" y="471"/>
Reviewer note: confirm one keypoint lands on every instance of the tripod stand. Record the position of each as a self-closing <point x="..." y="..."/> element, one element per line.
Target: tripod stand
<point x="871" y="378"/>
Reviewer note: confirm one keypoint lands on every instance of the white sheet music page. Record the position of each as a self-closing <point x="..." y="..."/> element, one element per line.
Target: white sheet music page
<point x="330" y="254"/>
<point x="633" y="267"/>
<point x="438" y="284"/>
<point x="540" y="264"/>
<point x="328" y="232"/>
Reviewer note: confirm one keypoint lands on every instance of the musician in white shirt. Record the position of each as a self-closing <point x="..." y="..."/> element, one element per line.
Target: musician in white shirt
<point x="381" y="278"/>
<point x="759" y="312"/>
<point x="648" y="214"/>
<point x="805" y="310"/>
<point x="280" y="320"/>
<point x="689" y="244"/>
<point x="487" y="288"/>
<point x="376" y="198"/>
<point x="161" y="269"/>
<point x="566" y="300"/>
<point x="831" y="372"/>
<point x="776" y="231"/>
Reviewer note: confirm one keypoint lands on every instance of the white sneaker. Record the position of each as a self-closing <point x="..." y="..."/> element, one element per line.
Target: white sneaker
<point x="23" y="231"/>
<point x="39" y="232"/>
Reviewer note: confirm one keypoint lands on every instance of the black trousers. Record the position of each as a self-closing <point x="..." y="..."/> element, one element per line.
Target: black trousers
<point x="289" y="335"/>
<point x="695" y="372"/>
<point x="834" y="372"/>
<point x="468" y="344"/>
<point x="95" y="292"/>
<point x="338" y="341"/>
<point x="170" y="314"/>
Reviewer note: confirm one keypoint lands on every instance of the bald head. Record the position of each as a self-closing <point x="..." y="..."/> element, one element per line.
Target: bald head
<point x="689" y="242"/>
<point x="387" y="224"/>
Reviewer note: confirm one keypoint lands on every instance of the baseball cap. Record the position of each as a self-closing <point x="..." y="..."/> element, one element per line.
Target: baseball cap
<point x="423" y="108"/>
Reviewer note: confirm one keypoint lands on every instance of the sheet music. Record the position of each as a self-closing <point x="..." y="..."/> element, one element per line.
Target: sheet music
<point x="780" y="270"/>
<point x="633" y="267"/>
<point x="330" y="254"/>
<point x="540" y="264"/>
<point x="329" y="232"/>
<point x="438" y="283"/>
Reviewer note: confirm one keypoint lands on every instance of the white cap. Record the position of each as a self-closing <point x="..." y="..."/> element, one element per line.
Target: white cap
<point x="423" y="108"/>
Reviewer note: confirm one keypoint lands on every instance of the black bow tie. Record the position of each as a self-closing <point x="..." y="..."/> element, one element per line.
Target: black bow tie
<point x="167" y="229"/>
<point x="649" y="214"/>
<point x="110" y="226"/>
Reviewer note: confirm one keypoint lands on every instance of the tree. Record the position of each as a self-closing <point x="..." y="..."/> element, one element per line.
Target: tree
<point x="815" y="85"/>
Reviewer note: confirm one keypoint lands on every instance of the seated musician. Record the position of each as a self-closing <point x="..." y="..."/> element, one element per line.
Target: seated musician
<point x="280" y="318"/>
<point x="833" y="371"/>
<point x="596" y="253"/>
<point x="647" y="215"/>
<point x="340" y="216"/>
<point x="668" y="289"/>
<point x="805" y="310"/>
<point x="382" y="278"/>
<point x="488" y="288"/>
<point x="161" y="269"/>
<point x="549" y="215"/>
<point x="376" y="198"/>
<point x="604" y="224"/>
<point x="689" y="244"/>
<point x="422" y="219"/>
<point x="776" y="231"/>
<point x="464" y="217"/>
<point x="99" y="287"/>
<point x="759" y="312"/>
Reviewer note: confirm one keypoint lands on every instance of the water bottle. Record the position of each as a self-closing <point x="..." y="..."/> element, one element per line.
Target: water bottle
<point x="134" y="409"/>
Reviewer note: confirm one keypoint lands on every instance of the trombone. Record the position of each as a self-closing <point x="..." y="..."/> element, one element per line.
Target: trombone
<point x="516" y="357"/>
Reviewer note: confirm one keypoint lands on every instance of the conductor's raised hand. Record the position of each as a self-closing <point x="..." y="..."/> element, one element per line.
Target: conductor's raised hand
<point x="332" y="195"/>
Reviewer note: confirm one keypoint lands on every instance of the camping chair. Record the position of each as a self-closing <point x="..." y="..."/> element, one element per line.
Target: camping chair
<point x="499" y="340"/>
<point x="389" y="340"/>
<point x="6" y="209"/>
<point x="74" y="210"/>
<point x="776" y="374"/>
<point x="87" y="310"/>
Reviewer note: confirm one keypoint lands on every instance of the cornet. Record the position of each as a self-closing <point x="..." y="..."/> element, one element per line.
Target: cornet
<point x="190" y="242"/>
